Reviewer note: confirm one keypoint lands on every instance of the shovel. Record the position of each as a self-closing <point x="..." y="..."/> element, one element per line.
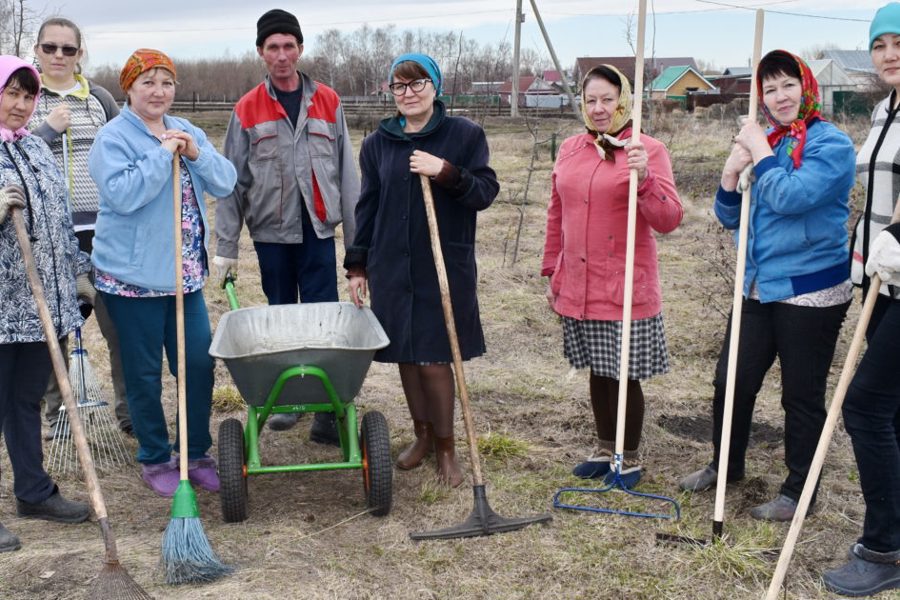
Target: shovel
<point x="483" y="520"/>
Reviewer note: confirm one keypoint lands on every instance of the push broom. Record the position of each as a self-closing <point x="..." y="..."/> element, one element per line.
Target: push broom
<point x="834" y="411"/>
<point x="737" y="305"/>
<point x="482" y="520"/>
<point x="624" y="357"/>
<point x="113" y="582"/>
<point x="187" y="555"/>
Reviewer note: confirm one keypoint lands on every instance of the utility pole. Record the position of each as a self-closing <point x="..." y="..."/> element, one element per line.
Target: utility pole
<point x="514" y="93"/>
<point x="562" y="74"/>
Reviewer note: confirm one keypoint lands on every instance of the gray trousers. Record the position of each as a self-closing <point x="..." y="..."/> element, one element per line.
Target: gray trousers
<point x="53" y="397"/>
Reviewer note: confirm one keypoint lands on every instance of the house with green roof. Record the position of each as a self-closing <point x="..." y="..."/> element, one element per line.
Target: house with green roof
<point x="676" y="81"/>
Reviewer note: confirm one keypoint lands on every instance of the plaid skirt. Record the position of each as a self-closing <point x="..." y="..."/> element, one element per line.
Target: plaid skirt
<point x="598" y="344"/>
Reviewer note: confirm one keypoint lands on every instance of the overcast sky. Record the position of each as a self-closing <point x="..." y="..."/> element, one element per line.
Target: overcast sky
<point x="712" y="31"/>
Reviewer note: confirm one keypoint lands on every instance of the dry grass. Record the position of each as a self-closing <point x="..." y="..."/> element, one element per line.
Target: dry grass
<point x="308" y="535"/>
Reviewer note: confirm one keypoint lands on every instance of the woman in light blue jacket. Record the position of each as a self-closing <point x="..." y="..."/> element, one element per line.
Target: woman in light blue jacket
<point x="134" y="257"/>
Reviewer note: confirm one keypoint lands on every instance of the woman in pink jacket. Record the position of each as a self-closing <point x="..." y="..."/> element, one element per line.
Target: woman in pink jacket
<point x="584" y="256"/>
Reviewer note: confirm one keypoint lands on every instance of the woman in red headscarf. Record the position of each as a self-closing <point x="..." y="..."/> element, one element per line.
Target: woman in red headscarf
<point x="797" y="280"/>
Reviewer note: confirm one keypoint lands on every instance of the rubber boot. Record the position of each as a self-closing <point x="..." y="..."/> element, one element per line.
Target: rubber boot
<point x="412" y="457"/>
<point x="448" y="469"/>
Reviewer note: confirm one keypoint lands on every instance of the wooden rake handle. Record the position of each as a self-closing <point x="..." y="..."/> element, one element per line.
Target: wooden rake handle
<point x="450" y="322"/>
<point x="59" y="369"/>
<point x="834" y="411"/>
<point x="631" y="227"/>
<point x="737" y="305"/>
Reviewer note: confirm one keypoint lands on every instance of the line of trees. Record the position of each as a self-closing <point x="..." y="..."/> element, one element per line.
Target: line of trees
<point x="353" y="63"/>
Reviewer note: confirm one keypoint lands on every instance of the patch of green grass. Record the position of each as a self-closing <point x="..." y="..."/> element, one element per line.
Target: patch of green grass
<point x="501" y="447"/>
<point x="227" y="399"/>
<point x="433" y="492"/>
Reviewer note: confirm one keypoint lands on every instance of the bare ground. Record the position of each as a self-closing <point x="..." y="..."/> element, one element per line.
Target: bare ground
<point x="308" y="535"/>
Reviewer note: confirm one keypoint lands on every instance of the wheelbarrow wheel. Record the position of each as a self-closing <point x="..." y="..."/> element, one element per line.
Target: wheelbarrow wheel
<point x="375" y="444"/>
<point x="232" y="480"/>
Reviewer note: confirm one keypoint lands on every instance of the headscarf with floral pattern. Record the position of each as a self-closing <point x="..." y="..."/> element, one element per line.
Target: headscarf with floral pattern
<point x="810" y="106"/>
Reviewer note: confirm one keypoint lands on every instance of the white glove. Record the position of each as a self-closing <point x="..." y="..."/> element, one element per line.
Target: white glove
<point x="12" y="196"/>
<point x="746" y="179"/>
<point x="884" y="258"/>
<point x="222" y="268"/>
<point x="84" y="289"/>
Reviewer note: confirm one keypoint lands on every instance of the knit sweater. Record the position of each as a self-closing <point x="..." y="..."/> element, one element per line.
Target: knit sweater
<point x="877" y="166"/>
<point x="91" y="108"/>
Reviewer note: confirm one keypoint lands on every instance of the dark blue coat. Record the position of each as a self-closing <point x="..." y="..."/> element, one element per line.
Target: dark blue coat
<point x="392" y="242"/>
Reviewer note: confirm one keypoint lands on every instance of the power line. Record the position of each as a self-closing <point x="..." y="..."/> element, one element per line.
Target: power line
<point x="785" y="12"/>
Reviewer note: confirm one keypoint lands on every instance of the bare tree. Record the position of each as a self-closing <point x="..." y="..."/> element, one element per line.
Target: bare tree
<point x="17" y="23"/>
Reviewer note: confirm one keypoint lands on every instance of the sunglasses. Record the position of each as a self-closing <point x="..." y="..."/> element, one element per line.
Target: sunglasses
<point x="52" y="48"/>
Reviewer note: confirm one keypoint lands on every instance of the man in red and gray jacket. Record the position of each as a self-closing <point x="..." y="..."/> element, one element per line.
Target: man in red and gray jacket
<point x="297" y="181"/>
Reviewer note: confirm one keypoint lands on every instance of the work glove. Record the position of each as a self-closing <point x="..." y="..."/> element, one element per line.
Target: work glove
<point x="884" y="257"/>
<point x="86" y="293"/>
<point x="746" y="179"/>
<point x="223" y="268"/>
<point x="12" y="196"/>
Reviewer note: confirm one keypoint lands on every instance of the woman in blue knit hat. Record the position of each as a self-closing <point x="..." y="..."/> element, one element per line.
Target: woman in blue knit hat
<point x="391" y="252"/>
<point x="872" y="406"/>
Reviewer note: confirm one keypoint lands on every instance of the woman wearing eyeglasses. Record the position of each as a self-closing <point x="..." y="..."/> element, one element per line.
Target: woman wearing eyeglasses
<point x="391" y="252"/>
<point x="68" y="115"/>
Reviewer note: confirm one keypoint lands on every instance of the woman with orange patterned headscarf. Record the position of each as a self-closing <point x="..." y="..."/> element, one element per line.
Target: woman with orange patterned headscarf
<point x="796" y="282"/>
<point x="131" y="162"/>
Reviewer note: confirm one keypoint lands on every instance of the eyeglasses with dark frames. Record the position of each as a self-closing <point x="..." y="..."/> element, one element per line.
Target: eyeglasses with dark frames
<point x="399" y="89"/>
<point x="52" y="48"/>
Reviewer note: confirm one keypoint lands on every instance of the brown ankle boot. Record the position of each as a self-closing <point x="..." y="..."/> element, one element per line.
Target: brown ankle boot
<point x="412" y="457"/>
<point x="448" y="469"/>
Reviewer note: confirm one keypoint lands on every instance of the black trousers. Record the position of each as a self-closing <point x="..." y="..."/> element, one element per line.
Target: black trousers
<point x="803" y="339"/>
<point x="872" y="418"/>
<point x="24" y="372"/>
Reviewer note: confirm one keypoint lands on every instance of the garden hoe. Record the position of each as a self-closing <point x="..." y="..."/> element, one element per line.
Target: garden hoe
<point x="616" y="466"/>
<point x="834" y="411"/>
<point x="483" y="520"/>
<point x="113" y="582"/>
<point x="737" y="304"/>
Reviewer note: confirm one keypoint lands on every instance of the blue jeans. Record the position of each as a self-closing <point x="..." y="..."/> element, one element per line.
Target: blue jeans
<point x="24" y="372"/>
<point x="146" y="326"/>
<point x="803" y="339"/>
<point x="310" y="268"/>
<point x="872" y="418"/>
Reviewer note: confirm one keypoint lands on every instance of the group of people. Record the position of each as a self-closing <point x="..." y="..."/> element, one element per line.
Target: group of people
<point x="94" y="183"/>
<point x="798" y="281"/>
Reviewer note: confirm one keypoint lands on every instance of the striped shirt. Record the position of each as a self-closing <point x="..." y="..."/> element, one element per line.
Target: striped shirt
<point x="878" y="169"/>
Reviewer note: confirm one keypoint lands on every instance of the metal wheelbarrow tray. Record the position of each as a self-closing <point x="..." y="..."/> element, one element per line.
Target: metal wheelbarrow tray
<point x="300" y="358"/>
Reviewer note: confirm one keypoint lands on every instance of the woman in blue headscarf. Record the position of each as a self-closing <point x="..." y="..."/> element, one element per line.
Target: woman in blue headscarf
<point x="391" y="252"/>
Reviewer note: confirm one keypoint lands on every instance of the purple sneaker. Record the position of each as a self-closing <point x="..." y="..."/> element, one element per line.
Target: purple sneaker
<point x="162" y="478"/>
<point x="202" y="472"/>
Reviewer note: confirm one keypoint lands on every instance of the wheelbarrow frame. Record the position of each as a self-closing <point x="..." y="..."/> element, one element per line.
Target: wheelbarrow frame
<point x="374" y="460"/>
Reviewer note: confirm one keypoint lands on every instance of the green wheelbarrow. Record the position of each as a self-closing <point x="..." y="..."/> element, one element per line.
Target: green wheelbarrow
<point x="300" y="358"/>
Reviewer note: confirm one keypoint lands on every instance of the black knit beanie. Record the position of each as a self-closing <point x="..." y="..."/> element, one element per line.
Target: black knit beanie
<point x="277" y="21"/>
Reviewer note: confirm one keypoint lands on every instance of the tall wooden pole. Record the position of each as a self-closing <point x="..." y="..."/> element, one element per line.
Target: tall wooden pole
<point x="514" y="93"/>
<point x="556" y="64"/>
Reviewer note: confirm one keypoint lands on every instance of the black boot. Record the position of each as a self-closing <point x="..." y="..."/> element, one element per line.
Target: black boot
<point x="324" y="429"/>
<point x="868" y="572"/>
<point x="55" y="508"/>
<point x="8" y="540"/>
